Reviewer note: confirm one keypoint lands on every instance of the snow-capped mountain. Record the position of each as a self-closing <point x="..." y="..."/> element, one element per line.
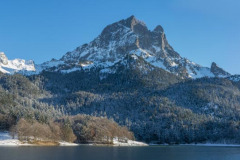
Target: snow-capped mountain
<point x="16" y="65"/>
<point x="129" y="38"/>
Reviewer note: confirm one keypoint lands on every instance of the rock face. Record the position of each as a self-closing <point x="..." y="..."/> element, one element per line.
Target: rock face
<point x="218" y="72"/>
<point x="3" y="58"/>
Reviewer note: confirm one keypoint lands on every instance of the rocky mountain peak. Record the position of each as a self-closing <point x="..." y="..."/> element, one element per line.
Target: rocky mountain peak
<point x="132" y="22"/>
<point x="158" y="29"/>
<point x="217" y="71"/>
<point x="3" y="58"/>
<point x="117" y="30"/>
<point x="214" y="65"/>
<point x="131" y="36"/>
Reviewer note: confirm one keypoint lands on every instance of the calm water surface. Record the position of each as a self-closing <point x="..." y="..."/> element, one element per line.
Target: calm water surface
<point x="120" y="153"/>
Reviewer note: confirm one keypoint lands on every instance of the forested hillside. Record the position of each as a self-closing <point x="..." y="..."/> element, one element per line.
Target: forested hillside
<point x="183" y="111"/>
<point x="24" y="113"/>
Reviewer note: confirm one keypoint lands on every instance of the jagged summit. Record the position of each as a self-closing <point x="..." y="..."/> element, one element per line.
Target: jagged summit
<point x="128" y="37"/>
<point x="3" y="58"/>
<point x="158" y="29"/>
<point x="132" y="37"/>
<point x="132" y="22"/>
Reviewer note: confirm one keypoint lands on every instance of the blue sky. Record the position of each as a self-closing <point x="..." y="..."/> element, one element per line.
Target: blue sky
<point x="200" y="30"/>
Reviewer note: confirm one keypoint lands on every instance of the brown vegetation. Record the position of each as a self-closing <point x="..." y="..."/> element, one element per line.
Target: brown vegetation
<point x="89" y="129"/>
<point x="82" y="128"/>
<point x="33" y="131"/>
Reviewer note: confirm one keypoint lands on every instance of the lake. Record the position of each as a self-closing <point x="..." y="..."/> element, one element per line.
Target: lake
<point x="120" y="153"/>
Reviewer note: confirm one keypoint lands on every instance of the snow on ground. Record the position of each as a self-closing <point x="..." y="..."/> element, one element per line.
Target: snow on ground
<point x="116" y="142"/>
<point x="235" y="78"/>
<point x="203" y="72"/>
<point x="6" y="140"/>
<point x="17" y="65"/>
<point x="13" y="142"/>
<point x="67" y="144"/>
<point x="71" y="70"/>
<point x="5" y="136"/>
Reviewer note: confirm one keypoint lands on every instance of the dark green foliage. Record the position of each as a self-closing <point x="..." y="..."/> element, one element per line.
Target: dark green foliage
<point x="156" y="106"/>
<point x="163" y="111"/>
<point x="18" y="85"/>
<point x="216" y="96"/>
<point x="19" y="98"/>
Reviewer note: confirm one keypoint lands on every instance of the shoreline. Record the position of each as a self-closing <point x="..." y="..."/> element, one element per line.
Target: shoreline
<point x="200" y="144"/>
<point x="212" y="145"/>
<point x="17" y="143"/>
<point x="7" y="140"/>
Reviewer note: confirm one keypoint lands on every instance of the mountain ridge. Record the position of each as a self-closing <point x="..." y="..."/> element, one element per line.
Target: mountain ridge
<point x="128" y="36"/>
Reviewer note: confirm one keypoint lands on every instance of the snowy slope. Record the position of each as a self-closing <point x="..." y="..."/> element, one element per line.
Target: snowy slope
<point x="7" y="140"/>
<point x="234" y="78"/>
<point x="16" y="65"/>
